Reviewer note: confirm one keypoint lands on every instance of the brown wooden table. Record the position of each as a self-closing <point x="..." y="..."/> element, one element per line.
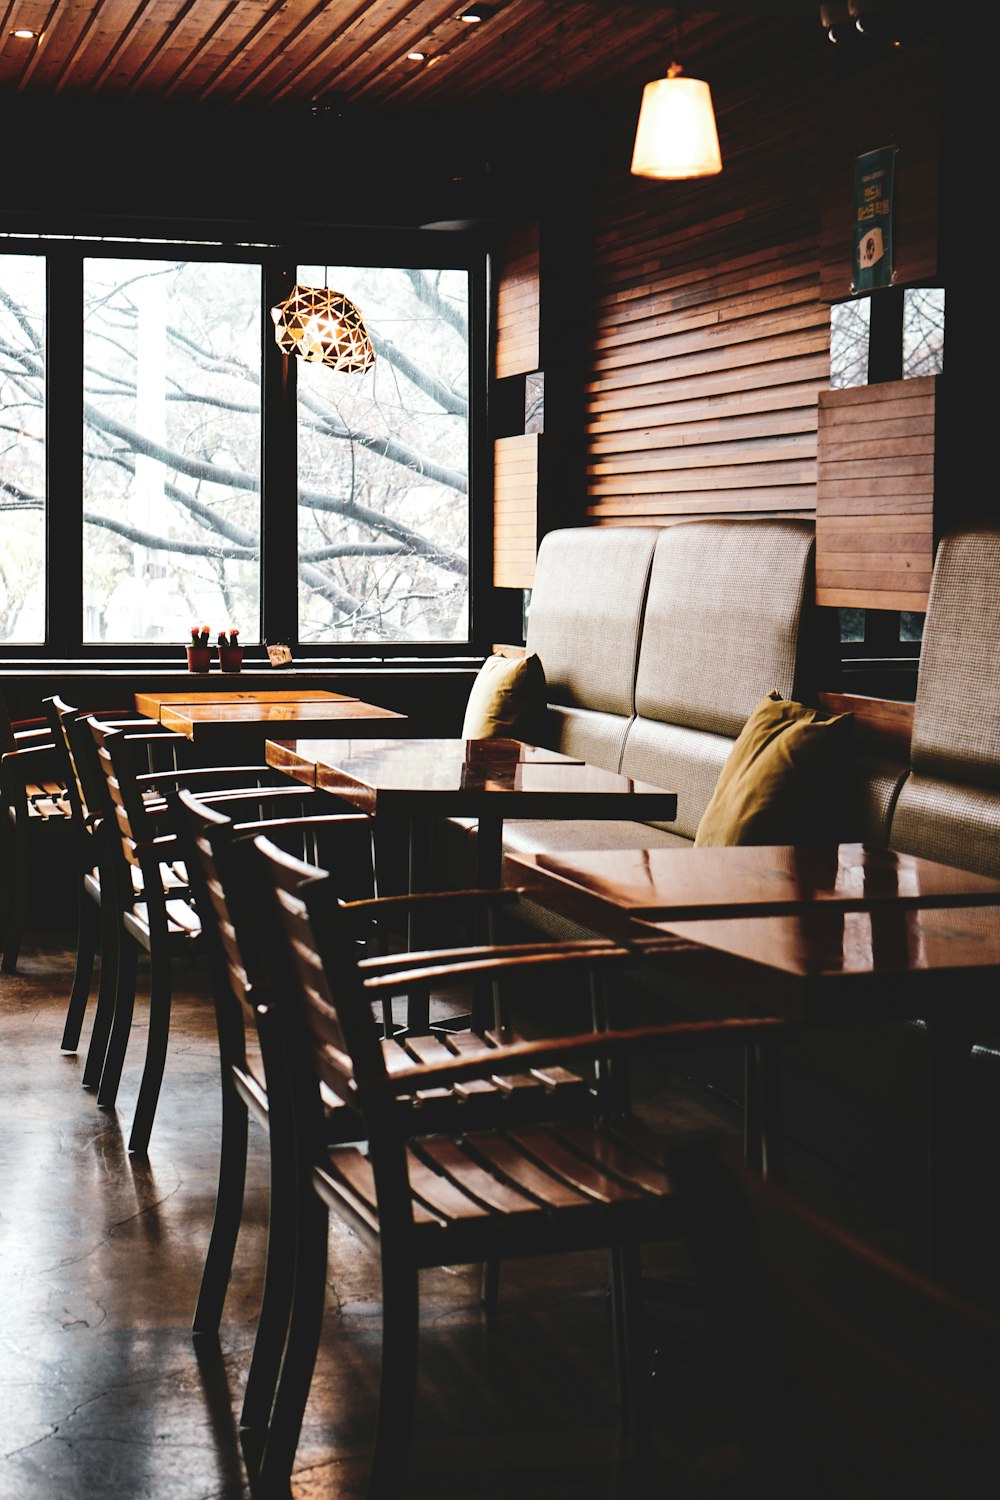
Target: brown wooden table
<point x="826" y="935"/>
<point x="234" y="722"/>
<point x="418" y="780"/>
<point x="607" y="889"/>
<point x="828" y="966"/>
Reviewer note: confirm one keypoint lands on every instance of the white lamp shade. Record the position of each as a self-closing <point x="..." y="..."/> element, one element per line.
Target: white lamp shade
<point x="676" y="135"/>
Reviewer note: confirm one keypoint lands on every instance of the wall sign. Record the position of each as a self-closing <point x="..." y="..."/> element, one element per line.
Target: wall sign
<point x="873" y="201"/>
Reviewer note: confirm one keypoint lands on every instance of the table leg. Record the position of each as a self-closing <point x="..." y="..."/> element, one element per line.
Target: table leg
<point x="420" y="834"/>
<point x="948" y="1203"/>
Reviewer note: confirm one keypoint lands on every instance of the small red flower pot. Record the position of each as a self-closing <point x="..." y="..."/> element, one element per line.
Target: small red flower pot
<point x="199" y="658"/>
<point x="231" y="658"/>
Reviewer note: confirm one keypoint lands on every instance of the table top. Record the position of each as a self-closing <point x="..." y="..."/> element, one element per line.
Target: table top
<point x="151" y="704"/>
<point x="475" y="778"/>
<point x="756" y="880"/>
<point x="218" y="718"/>
<point x="827" y="964"/>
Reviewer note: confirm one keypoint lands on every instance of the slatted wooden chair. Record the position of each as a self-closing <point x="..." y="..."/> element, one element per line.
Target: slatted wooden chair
<point x="34" y="806"/>
<point x="97" y="926"/>
<point x="849" y="1375"/>
<point x="152" y="901"/>
<point x="476" y="1147"/>
<point x="212" y="844"/>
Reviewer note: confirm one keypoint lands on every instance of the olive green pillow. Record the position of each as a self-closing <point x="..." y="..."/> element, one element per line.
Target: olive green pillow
<point x="507" y="700"/>
<point x="785" y="778"/>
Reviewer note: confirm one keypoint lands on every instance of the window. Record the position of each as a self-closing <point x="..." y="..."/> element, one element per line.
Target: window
<point x="196" y="432"/>
<point x="384" y="466"/>
<point x="22" y="448"/>
<point x="171" y="461"/>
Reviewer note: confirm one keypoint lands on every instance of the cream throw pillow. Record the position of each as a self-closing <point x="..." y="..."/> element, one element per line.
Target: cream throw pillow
<point x="507" y="700"/>
<point x="784" y="780"/>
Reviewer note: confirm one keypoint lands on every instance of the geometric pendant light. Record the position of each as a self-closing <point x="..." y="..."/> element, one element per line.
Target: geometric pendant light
<point x="323" y="327"/>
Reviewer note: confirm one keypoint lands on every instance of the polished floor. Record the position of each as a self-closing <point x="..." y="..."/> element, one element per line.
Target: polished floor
<point x="106" y="1394"/>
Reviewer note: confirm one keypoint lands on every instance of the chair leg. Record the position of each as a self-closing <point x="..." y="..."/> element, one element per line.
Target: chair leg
<point x="86" y="950"/>
<point x="228" y="1212"/>
<point x="156" y="1053"/>
<point x="19" y="852"/>
<point x="112" y="976"/>
<point x="489" y="1290"/>
<point x="276" y="1298"/>
<point x="630" y="1353"/>
<point x="304" y="1328"/>
<point x="106" y="1056"/>
<point x="398" y="1378"/>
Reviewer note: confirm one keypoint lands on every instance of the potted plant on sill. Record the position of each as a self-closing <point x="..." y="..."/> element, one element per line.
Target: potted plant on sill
<point x="230" y="650"/>
<point x="199" y="653"/>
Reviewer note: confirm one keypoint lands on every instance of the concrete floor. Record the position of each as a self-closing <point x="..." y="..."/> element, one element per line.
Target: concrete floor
<point x="106" y="1394"/>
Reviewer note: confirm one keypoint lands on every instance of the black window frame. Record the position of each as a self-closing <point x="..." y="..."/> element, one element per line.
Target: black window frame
<point x="65" y="256"/>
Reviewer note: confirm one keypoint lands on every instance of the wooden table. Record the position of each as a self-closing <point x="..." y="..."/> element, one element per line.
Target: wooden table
<point x="227" y="722"/>
<point x="417" y="780"/>
<point x="412" y="782"/>
<point x="828" y="966"/>
<point x="606" y="890"/>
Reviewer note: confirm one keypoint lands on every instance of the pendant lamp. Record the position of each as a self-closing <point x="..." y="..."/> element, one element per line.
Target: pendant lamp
<point x="323" y="327"/>
<point x="676" y="136"/>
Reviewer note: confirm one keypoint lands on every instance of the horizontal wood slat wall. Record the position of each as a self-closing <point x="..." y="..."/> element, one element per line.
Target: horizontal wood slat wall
<point x="516" y="350"/>
<point x="710" y="340"/>
<point x="515" y="502"/>
<point x="875" y="495"/>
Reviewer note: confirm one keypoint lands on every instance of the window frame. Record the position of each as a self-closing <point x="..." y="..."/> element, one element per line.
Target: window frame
<point x="65" y="256"/>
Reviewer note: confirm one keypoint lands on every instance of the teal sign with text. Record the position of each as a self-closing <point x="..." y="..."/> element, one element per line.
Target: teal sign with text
<point x="873" y="201"/>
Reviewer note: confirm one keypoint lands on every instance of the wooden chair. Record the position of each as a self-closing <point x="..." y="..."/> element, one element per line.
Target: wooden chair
<point x="97" y="926"/>
<point x="212" y="844"/>
<point x="33" y="806"/>
<point x="152" y="901"/>
<point x="849" y="1376"/>
<point x="477" y="1148"/>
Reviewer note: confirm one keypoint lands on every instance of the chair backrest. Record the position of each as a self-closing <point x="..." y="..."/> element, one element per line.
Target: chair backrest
<point x="311" y="953"/>
<point x="949" y="805"/>
<point x="59" y="714"/>
<point x="851" y="1374"/>
<point x="212" y="845"/>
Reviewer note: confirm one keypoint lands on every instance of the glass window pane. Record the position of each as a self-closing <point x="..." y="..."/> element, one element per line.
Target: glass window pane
<point x="850" y="328"/>
<point x="383" y="466"/>
<point x="852" y="624"/>
<point x="171" y="449"/>
<point x="923" y="331"/>
<point x="22" y="448"/>
<point x="911" y="625"/>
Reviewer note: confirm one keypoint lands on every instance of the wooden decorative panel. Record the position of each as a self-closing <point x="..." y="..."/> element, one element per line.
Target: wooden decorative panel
<point x="515" y="505"/>
<point x="517" y="306"/>
<point x="875" y="496"/>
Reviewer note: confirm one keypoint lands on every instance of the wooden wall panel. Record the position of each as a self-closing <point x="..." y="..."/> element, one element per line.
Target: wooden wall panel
<point x="875" y="495"/>
<point x="709" y="340"/>
<point x="516" y="349"/>
<point x="515" y="528"/>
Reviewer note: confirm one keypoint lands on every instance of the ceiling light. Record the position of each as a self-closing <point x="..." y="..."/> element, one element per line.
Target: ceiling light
<point x="473" y="14"/>
<point x="676" y="136"/>
<point x="24" y="34"/>
<point x="416" y="57"/>
<point x="323" y="327"/>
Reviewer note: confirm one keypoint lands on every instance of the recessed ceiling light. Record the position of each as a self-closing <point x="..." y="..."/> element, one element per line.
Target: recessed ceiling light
<point x="416" y="57"/>
<point x="473" y="14"/>
<point x="24" y="34"/>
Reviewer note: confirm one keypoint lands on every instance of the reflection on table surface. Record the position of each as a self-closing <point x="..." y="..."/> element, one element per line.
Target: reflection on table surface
<point x="719" y="881"/>
<point x="886" y="942"/>
<point x="415" y="765"/>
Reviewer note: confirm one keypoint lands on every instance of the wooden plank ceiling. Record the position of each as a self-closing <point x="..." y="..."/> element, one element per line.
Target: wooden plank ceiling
<point x="287" y="52"/>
